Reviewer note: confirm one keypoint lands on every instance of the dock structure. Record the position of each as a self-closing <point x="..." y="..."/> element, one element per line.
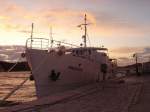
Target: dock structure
<point x="110" y="96"/>
<point x="142" y="103"/>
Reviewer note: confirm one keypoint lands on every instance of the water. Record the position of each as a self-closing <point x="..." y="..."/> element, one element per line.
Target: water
<point x="10" y="80"/>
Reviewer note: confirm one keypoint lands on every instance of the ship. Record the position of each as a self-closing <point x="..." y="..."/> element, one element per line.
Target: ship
<point x="61" y="68"/>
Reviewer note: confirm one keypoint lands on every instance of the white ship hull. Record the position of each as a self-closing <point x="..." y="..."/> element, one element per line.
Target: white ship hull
<point x="74" y="71"/>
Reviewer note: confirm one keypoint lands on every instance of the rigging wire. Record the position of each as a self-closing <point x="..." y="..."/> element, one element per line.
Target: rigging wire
<point x="89" y="40"/>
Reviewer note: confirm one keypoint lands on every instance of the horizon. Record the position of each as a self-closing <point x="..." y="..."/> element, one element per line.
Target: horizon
<point x="121" y="26"/>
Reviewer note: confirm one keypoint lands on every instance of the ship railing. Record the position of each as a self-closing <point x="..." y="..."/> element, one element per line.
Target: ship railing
<point x="37" y="43"/>
<point x="61" y="43"/>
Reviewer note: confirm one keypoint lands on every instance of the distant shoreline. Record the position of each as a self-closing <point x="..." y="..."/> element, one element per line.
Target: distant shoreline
<point x="20" y="66"/>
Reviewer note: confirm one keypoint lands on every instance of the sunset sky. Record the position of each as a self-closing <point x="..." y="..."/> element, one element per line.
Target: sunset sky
<point x="123" y="26"/>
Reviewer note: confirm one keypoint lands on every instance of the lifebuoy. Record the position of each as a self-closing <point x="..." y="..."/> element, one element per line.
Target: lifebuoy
<point x="23" y="55"/>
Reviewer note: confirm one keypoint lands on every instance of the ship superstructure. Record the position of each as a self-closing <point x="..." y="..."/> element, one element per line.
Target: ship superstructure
<point x="61" y="68"/>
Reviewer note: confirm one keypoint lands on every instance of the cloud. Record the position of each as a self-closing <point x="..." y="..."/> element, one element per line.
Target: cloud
<point x="64" y="16"/>
<point x="112" y="25"/>
<point x="60" y="15"/>
<point x="127" y="50"/>
<point x="123" y="61"/>
<point x="12" y="16"/>
<point x="4" y="17"/>
<point x="145" y="54"/>
<point x="124" y="55"/>
<point x="146" y="50"/>
<point x="3" y="57"/>
<point x="11" y="53"/>
<point x="124" y="52"/>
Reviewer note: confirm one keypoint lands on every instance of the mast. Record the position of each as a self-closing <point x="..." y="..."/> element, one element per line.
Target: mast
<point x="51" y="37"/>
<point x="85" y="30"/>
<point x="32" y="34"/>
<point x="32" y="31"/>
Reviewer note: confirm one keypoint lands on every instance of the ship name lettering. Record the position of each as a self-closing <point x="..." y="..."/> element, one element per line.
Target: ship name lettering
<point x="75" y="68"/>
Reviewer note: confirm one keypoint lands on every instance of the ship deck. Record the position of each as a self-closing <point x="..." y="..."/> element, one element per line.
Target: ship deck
<point x="108" y="96"/>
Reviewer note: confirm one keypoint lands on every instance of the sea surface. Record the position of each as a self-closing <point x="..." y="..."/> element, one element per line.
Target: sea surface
<point x="8" y="81"/>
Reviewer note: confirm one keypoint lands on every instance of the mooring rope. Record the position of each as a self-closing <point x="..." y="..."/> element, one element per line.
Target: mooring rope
<point x="15" y="88"/>
<point x="11" y="68"/>
<point x="24" y="81"/>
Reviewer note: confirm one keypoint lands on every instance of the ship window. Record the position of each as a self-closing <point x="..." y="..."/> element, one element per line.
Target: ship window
<point x="89" y="52"/>
<point x="67" y="52"/>
<point x="81" y="52"/>
<point x="77" y="52"/>
<point x="104" y="54"/>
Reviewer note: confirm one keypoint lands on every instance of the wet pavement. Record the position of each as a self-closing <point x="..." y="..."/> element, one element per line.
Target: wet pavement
<point x="9" y="81"/>
<point x="110" y="96"/>
<point x="142" y="103"/>
<point x="130" y="95"/>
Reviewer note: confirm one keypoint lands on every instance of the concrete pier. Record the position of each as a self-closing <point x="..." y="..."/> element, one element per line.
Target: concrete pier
<point x="131" y="96"/>
<point x="142" y="103"/>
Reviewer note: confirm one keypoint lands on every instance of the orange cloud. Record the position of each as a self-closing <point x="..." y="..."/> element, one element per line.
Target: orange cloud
<point x="127" y="50"/>
<point x="65" y="21"/>
<point x="66" y="16"/>
<point x="4" y="17"/>
<point x="103" y="24"/>
<point x="11" y="27"/>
